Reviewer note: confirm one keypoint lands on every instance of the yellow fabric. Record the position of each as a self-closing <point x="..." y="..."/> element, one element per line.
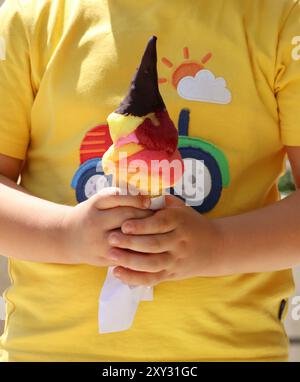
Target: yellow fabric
<point x="67" y="66"/>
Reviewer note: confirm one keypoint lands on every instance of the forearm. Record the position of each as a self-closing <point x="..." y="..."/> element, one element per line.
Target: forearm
<point x="30" y="228"/>
<point x="264" y="240"/>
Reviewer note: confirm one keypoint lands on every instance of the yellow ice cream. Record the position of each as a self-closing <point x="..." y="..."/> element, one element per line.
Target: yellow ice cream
<point x="122" y="125"/>
<point x="114" y="153"/>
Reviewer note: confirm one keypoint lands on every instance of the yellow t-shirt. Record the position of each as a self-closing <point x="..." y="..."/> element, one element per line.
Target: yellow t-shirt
<point x="64" y="66"/>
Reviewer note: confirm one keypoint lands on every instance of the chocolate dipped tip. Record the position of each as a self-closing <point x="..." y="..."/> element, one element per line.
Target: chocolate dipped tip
<point x="144" y="96"/>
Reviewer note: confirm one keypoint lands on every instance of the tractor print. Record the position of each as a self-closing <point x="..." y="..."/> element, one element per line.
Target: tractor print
<point x="214" y="169"/>
<point x="90" y="178"/>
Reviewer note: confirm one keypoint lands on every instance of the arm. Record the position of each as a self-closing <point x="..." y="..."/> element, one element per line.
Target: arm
<point x="268" y="239"/>
<point x="29" y="227"/>
<point x="37" y="230"/>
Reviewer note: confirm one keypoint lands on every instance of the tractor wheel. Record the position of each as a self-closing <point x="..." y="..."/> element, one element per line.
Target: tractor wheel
<point x="202" y="174"/>
<point x="91" y="182"/>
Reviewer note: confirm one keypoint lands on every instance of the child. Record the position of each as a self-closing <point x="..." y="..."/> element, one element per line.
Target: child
<point x="222" y="276"/>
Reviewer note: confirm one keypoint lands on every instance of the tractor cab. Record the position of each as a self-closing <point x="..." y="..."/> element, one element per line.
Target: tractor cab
<point x="212" y="168"/>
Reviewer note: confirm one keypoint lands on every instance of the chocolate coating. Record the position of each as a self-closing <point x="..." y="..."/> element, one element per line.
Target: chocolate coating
<point x="144" y="96"/>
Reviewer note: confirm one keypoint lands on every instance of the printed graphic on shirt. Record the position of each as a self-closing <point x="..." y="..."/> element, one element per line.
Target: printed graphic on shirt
<point x="90" y="178"/>
<point x="214" y="170"/>
<point x="194" y="82"/>
<point x="2" y="49"/>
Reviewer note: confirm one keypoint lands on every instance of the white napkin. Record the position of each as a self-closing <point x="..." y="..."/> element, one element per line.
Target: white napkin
<point x="118" y="302"/>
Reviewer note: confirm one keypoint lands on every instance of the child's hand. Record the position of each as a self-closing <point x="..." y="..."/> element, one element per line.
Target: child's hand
<point x="174" y="243"/>
<point x="86" y="226"/>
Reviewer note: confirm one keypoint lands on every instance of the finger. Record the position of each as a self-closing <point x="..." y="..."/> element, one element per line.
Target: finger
<point x="160" y="222"/>
<point x="98" y="261"/>
<point x="172" y="201"/>
<point x="139" y="278"/>
<point x="146" y="243"/>
<point x="140" y="262"/>
<point x="112" y="197"/>
<point x="114" y="218"/>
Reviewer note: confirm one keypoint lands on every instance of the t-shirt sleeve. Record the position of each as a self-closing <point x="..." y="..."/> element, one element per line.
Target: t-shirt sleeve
<point x="287" y="82"/>
<point x="16" y="92"/>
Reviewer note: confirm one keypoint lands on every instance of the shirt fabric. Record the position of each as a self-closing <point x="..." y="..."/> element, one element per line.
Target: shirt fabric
<point x="64" y="67"/>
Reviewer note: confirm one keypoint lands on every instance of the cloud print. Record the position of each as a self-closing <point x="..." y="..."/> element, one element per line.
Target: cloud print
<point x="204" y="87"/>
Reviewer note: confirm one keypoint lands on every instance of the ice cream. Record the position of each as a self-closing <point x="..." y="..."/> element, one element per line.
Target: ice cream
<point x="144" y="150"/>
<point x="143" y="157"/>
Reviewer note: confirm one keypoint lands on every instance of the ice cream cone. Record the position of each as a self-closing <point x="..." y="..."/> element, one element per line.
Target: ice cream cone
<point x="143" y="159"/>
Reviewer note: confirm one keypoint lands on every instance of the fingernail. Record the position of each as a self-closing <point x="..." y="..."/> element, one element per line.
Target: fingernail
<point x="117" y="274"/>
<point x="114" y="239"/>
<point x="113" y="255"/>
<point x="146" y="203"/>
<point x="128" y="228"/>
